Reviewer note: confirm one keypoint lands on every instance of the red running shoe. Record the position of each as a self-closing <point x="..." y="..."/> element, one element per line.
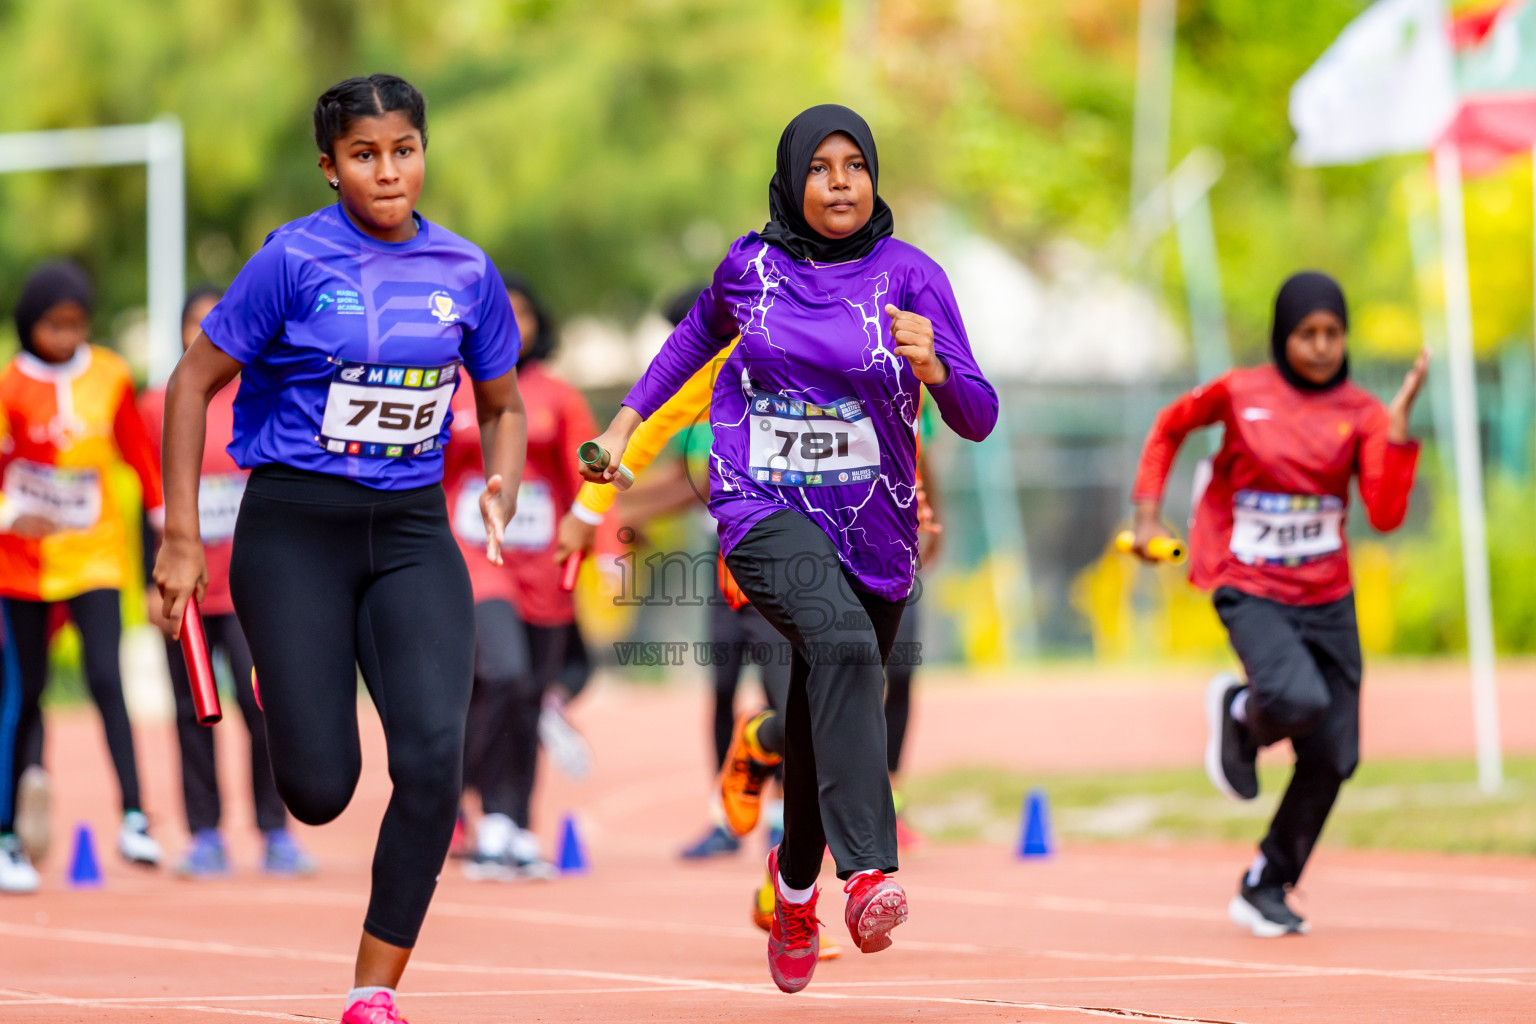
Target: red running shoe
<point x="794" y="936"/>
<point x="876" y="904"/>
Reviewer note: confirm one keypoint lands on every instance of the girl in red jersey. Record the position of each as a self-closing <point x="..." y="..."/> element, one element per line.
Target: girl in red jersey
<point x="220" y="488"/>
<point x="1268" y="538"/>
<point x="523" y="620"/>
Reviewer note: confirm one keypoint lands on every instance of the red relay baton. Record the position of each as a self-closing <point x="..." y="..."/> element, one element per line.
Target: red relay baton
<point x="570" y="572"/>
<point x="194" y="648"/>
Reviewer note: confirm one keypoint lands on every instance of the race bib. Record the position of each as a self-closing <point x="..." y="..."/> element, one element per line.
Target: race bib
<point x="1285" y="529"/>
<point x="69" y="498"/>
<point x="387" y="412"/>
<point x="532" y="525"/>
<point x="803" y="444"/>
<point x="218" y="505"/>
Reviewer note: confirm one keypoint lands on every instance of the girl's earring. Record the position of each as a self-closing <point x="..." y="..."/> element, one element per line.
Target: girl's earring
<point x="336" y="184"/>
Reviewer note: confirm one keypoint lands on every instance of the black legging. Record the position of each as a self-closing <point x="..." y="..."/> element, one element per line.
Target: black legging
<point x="575" y="666"/>
<point x="741" y="636"/>
<point x="199" y="774"/>
<point x="837" y="793"/>
<point x="328" y="576"/>
<point x="97" y="615"/>
<point x="501" y="748"/>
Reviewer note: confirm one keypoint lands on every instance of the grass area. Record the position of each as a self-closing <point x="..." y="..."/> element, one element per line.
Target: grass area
<point x="1408" y="805"/>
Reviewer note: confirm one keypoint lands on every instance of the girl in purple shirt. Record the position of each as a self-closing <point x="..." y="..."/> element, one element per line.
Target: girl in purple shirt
<point x="813" y="484"/>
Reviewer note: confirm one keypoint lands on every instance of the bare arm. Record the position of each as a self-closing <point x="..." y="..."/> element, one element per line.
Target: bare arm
<point x="503" y="447"/>
<point x="180" y="571"/>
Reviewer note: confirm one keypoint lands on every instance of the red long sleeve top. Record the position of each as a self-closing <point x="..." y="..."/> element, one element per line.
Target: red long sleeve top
<point x="1271" y="521"/>
<point x="559" y="419"/>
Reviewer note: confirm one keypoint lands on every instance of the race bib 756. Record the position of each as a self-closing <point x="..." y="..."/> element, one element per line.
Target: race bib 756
<point x="389" y="412"/>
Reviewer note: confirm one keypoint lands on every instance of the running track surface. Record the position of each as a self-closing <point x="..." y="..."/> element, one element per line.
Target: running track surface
<point x="1099" y="931"/>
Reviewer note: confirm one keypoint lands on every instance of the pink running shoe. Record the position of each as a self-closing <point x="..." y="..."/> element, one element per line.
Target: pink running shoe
<point x="794" y="936"/>
<point x="379" y="1009"/>
<point x="876" y="904"/>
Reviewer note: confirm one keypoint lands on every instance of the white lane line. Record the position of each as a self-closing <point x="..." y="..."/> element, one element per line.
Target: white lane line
<point x="168" y="1001"/>
<point x="1110" y="908"/>
<point x="607" y="923"/>
<point x="669" y="983"/>
<point x="231" y="949"/>
<point x="45" y="999"/>
<point x="40" y="999"/>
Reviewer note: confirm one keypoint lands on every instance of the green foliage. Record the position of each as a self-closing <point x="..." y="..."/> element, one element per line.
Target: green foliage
<point x="1428" y="578"/>
<point x="610" y="150"/>
<point x="1411" y="805"/>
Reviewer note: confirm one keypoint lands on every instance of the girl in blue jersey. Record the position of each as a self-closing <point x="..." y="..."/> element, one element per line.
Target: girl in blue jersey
<point x="350" y="330"/>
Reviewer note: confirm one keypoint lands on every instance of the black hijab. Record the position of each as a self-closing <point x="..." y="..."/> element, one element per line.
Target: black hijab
<point x="1299" y="297"/>
<point x="51" y="284"/>
<point x="786" y="226"/>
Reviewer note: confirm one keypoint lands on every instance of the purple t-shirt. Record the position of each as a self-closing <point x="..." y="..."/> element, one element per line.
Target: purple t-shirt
<point x="352" y="347"/>
<point x="813" y="410"/>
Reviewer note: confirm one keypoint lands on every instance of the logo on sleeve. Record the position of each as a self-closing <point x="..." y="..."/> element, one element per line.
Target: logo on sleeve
<point x="441" y="305"/>
<point x="343" y="301"/>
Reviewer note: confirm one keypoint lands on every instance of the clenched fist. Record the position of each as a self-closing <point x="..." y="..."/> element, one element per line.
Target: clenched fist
<point x="913" y="335"/>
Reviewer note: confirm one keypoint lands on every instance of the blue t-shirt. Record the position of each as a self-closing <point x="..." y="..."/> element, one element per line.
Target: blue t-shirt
<point x="352" y="347"/>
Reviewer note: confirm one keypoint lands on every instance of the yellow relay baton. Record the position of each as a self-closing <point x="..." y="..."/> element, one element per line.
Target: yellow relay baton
<point x="595" y="457"/>
<point x="1161" y="549"/>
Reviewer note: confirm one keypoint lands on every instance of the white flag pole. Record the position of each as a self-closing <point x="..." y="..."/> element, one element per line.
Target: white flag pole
<point x="1462" y="369"/>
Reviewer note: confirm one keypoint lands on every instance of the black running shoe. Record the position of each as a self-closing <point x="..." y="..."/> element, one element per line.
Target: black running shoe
<point x="1263" y="911"/>
<point x="1230" y="755"/>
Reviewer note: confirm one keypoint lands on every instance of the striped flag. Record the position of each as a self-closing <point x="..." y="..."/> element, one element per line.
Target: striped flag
<point x="1496" y="82"/>
<point x="1386" y="86"/>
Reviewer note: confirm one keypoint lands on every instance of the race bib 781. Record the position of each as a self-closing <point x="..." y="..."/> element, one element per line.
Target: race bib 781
<point x="803" y="444"/>
<point x="378" y="411"/>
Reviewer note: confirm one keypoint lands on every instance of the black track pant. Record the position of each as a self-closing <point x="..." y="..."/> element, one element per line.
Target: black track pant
<point x="199" y="774"/>
<point x="501" y="748"/>
<point x="837" y="793"/>
<point x="98" y="616"/>
<point x="741" y="637"/>
<point x="1303" y="665"/>
<point x="514" y="663"/>
<point x="575" y="670"/>
<point x="898" y="687"/>
<point x="329" y="576"/>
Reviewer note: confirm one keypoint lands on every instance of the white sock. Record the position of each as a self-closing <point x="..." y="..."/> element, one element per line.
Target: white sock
<point x="866" y="871"/>
<point x="716" y="810"/>
<point x="367" y="992"/>
<point x="1240" y="705"/>
<point x="1256" y="869"/>
<point x="795" y="895"/>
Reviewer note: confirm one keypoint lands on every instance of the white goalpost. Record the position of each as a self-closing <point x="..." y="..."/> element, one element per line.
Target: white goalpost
<point x="158" y="146"/>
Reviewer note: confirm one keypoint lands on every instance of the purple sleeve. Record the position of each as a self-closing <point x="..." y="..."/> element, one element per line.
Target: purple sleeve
<point x="708" y="326"/>
<point x="252" y="312"/>
<point x="966" y="400"/>
<point x="491" y="343"/>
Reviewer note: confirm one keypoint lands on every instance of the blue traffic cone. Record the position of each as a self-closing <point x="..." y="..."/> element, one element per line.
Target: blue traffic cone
<point x="1035" y="839"/>
<point x="84" y="872"/>
<point x="573" y="858"/>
